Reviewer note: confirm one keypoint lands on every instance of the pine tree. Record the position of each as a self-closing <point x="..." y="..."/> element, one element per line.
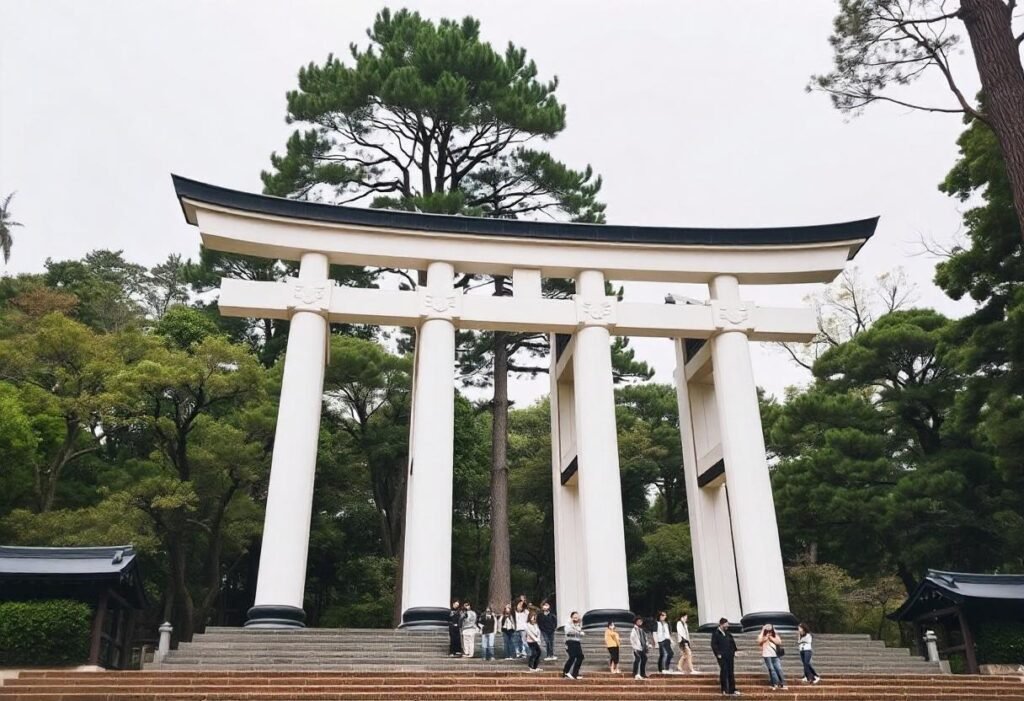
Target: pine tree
<point x="431" y="118"/>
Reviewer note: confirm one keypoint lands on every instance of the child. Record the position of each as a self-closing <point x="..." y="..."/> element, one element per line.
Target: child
<point x="611" y="641"/>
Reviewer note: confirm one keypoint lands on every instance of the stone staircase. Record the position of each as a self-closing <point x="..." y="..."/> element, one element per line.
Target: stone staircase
<point x="195" y="685"/>
<point x="398" y="650"/>
<point x="232" y="664"/>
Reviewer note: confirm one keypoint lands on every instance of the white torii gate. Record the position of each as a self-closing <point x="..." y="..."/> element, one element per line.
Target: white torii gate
<point x="737" y="558"/>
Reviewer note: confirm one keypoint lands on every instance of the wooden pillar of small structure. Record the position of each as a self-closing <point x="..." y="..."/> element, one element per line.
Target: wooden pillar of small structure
<point x="97" y="628"/>
<point x="919" y="638"/>
<point x="968" y="638"/>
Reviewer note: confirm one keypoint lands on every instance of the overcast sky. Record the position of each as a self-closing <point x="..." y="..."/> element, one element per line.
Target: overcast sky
<point x="694" y="112"/>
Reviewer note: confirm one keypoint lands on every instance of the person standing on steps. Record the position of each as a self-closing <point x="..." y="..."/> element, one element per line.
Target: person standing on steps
<point x="724" y="647"/>
<point x="547" y="622"/>
<point x="805" y="644"/>
<point x="685" y="650"/>
<point x="612" y="642"/>
<point x="487" y="624"/>
<point x="507" y="625"/>
<point x="770" y="644"/>
<point x="468" y="630"/>
<point x="574" y="647"/>
<point x="663" y="638"/>
<point x="522" y="614"/>
<point x="638" y="642"/>
<point x="455" y="630"/>
<point x="533" y="642"/>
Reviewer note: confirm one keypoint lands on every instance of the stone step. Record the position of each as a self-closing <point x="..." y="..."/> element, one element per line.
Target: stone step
<point x="349" y="646"/>
<point x="213" y="686"/>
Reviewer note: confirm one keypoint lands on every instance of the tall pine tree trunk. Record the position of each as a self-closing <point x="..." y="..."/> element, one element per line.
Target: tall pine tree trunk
<point x="997" y="54"/>
<point x="499" y="589"/>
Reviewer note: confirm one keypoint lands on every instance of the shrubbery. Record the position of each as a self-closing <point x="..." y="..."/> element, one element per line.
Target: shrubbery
<point x="44" y="633"/>
<point x="1000" y="643"/>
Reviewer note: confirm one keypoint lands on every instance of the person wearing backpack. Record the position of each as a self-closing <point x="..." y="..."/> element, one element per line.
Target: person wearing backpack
<point x="638" y="642"/>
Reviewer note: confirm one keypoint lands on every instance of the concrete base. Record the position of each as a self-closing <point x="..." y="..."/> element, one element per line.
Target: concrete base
<point x="276" y="617"/>
<point x="424" y="617"/>
<point x="598" y="618"/>
<point x="782" y="620"/>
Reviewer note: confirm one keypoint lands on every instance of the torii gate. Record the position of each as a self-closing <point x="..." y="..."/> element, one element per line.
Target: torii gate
<point x="737" y="558"/>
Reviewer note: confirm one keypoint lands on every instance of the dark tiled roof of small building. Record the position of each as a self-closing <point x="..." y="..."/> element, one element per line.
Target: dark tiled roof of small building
<point x="17" y="560"/>
<point x="941" y="589"/>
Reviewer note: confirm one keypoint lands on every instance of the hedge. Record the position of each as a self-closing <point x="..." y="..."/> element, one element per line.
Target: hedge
<point x="1000" y="643"/>
<point x="34" y="633"/>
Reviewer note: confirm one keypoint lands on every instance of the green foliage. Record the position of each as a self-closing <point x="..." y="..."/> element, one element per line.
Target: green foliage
<point x="39" y="633"/>
<point x="988" y="344"/>
<point x="999" y="642"/>
<point x="6" y="224"/>
<point x="664" y="569"/>
<point x="184" y="327"/>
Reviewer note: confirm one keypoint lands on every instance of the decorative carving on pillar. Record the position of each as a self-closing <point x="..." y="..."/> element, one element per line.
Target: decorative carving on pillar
<point x="309" y="296"/>
<point x="595" y="311"/>
<point x="439" y="306"/>
<point x="733" y="316"/>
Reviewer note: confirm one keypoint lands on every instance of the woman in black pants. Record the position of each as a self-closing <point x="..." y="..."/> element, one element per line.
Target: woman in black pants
<point x="574" y="646"/>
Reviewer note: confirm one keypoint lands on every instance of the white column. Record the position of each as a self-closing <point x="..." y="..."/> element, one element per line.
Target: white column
<point x="282" y="574"/>
<point x="755" y="531"/>
<point x="569" y="562"/>
<point x="427" y="558"/>
<point x="710" y="535"/>
<point x="600" y="487"/>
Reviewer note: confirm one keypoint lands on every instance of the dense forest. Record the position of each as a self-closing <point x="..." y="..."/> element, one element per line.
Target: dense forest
<point x="133" y="412"/>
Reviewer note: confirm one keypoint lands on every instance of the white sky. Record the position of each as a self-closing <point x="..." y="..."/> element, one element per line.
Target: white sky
<point x="693" y="111"/>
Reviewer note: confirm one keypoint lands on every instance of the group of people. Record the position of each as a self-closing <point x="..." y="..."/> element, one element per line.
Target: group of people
<point x="529" y="632"/>
<point x="661" y="640"/>
<point x="770" y="644"/>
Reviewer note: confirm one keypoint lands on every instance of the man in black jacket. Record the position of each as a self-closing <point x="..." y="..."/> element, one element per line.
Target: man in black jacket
<point x="455" y="630"/>
<point x="724" y="647"/>
<point x="547" y="622"/>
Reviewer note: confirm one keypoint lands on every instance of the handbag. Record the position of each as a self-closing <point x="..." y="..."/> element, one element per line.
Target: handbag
<point x="779" y="650"/>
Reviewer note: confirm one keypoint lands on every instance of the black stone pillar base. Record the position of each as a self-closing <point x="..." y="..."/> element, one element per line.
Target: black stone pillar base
<point x="598" y="618"/>
<point x="783" y="620"/>
<point x="424" y="617"/>
<point x="276" y="617"/>
<point x="710" y="628"/>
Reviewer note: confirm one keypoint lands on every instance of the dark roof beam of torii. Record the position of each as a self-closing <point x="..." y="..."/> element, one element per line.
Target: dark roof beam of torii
<point x="859" y="230"/>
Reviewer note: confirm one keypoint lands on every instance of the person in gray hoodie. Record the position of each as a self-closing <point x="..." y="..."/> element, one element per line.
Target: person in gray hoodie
<point x="574" y="646"/>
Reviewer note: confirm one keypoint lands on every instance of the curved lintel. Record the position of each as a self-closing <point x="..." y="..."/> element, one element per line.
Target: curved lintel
<point x="259" y="225"/>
